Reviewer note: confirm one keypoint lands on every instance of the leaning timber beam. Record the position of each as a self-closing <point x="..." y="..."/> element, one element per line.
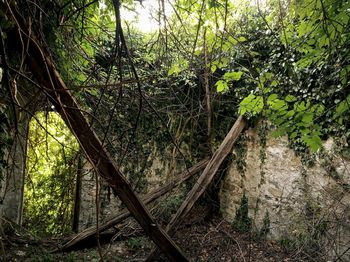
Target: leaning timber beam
<point x="42" y="67"/>
<point x="205" y="178"/>
<point x="150" y="197"/>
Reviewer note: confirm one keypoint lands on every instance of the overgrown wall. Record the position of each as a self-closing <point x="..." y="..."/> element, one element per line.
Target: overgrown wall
<point x="305" y="206"/>
<point x="154" y="171"/>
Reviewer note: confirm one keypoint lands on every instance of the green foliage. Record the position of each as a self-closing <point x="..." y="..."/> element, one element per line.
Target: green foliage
<point x="252" y="105"/>
<point x="136" y="243"/>
<point x="51" y="172"/>
<point x="242" y="221"/>
<point x="169" y="206"/>
<point x="241" y="154"/>
<point x="266" y="227"/>
<point x="222" y="85"/>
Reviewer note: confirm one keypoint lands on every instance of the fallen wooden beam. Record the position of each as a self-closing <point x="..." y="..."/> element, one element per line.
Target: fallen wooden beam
<point x="205" y="179"/>
<point x="41" y="65"/>
<point x="150" y="197"/>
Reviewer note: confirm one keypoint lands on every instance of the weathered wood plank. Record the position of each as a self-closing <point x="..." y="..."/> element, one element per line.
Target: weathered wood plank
<point x="205" y="178"/>
<point x="150" y="197"/>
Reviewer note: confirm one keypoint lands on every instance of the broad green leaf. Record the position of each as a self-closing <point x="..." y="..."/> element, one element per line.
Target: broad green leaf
<point x="343" y="106"/>
<point x="278" y="105"/>
<point x="232" y="40"/>
<point x="293" y="135"/>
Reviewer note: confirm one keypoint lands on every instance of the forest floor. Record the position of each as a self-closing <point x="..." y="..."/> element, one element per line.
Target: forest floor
<point x="213" y="240"/>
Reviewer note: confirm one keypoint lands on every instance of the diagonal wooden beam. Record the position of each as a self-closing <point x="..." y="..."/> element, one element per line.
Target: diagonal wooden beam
<point x="42" y="67"/>
<point x="205" y="178"/>
<point x="150" y="197"/>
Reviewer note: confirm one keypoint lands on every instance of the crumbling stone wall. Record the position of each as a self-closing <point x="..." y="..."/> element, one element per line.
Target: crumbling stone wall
<point x="302" y="203"/>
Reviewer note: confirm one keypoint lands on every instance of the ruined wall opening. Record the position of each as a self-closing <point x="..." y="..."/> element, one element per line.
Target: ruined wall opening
<point x="51" y="184"/>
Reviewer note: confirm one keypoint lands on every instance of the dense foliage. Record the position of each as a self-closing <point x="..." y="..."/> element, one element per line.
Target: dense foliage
<point x="51" y="174"/>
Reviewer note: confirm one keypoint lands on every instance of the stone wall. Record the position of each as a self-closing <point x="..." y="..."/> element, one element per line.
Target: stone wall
<point x="305" y="205"/>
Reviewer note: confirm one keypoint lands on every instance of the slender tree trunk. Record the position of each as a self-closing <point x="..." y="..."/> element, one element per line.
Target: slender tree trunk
<point x="77" y="195"/>
<point x="207" y="93"/>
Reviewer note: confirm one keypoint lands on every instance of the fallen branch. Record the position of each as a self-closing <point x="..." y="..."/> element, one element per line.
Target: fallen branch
<point x="205" y="179"/>
<point x="150" y="197"/>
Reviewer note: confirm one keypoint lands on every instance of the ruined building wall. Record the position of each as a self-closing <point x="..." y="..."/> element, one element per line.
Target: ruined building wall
<point x="306" y="204"/>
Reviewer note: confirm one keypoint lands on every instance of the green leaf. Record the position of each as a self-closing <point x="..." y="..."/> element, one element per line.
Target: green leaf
<point x="229" y="76"/>
<point x="278" y="105"/>
<point x="173" y="70"/>
<point x="252" y="104"/>
<point x="278" y="132"/>
<point x="272" y="97"/>
<point x="290" y="98"/>
<point x="307" y="117"/>
<point x="232" y="40"/>
<point x="274" y="83"/>
<point x="293" y="135"/>
<point x="342" y="107"/>
<point x="289" y="114"/>
<point x="242" y="39"/>
<point x="221" y="86"/>
<point x="312" y="141"/>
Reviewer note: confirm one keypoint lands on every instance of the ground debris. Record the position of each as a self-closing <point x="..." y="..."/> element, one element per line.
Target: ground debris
<point x="213" y="240"/>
